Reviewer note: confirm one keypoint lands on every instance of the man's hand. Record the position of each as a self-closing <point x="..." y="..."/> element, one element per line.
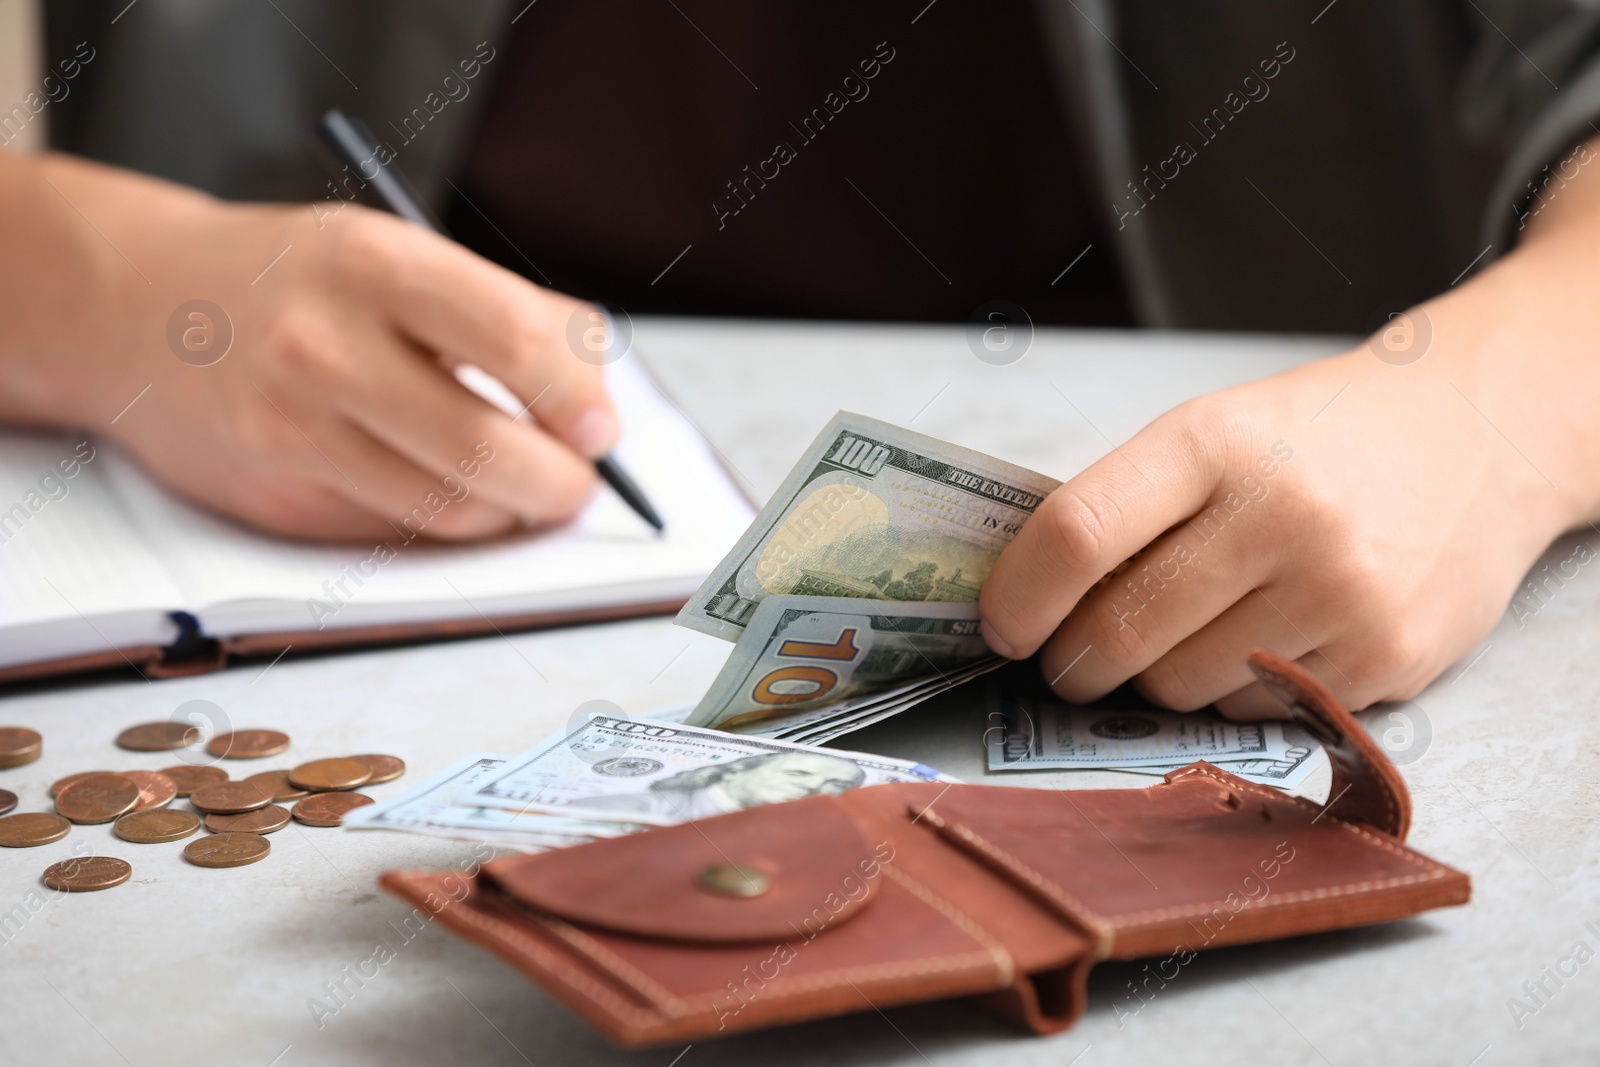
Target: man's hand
<point x="335" y="412"/>
<point x="1370" y="517"/>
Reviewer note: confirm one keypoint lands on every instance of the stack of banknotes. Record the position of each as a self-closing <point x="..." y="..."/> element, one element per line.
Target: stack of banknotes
<point x="611" y="775"/>
<point x="852" y="597"/>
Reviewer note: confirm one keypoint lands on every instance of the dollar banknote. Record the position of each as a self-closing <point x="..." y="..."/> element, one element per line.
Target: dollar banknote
<point x="640" y="771"/>
<point x="805" y="654"/>
<point x="825" y="724"/>
<point x="435" y="807"/>
<point x="871" y="512"/>
<point x="1044" y="733"/>
<point x="1302" y="758"/>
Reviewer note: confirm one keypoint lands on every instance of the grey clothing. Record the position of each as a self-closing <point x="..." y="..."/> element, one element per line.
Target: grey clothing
<point x="1395" y="146"/>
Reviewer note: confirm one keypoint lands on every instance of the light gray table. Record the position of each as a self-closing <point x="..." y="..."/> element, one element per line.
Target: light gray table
<point x="188" y="966"/>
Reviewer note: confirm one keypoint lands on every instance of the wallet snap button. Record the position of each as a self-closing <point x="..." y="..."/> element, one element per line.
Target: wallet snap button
<point x="731" y="880"/>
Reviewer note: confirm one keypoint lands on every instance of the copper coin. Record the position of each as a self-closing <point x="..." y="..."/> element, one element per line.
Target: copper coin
<point x="8" y="800"/>
<point x="229" y="798"/>
<point x="158" y="736"/>
<point x="278" y="782"/>
<point x="248" y="744"/>
<point x="261" y="821"/>
<point x="384" y="768"/>
<point x="154" y="827"/>
<point x="227" y="850"/>
<point x="98" y="798"/>
<point x="188" y="778"/>
<point x="19" y="745"/>
<point x="86" y="874"/>
<point x="61" y="783"/>
<point x="329" y="775"/>
<point x="156" y="790"/>
<point x="329" y="809"/>
<point x="29" y="828"/>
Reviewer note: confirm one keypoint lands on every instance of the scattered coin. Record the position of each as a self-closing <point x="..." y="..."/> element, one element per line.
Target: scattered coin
<point x="384" y="768"/>
<point x="329" y="809"/>
<point x="19" y="745"/>
<point x="261" y="821"/>
<point x="156" y="790"/>
<point x="227" y="850"/>
<point x="8" y="800"/>
<point x="29" y="828"/>
<point x="248" y="744"/>
<point x="154" y="827"/>
<point x="330" y="775"/>
<point x="278" y="782"/>
<point x="188" y="778"/>
<point x="61" y="783"/>
<point x="98" y="798"/>
<point x="229" y="798"/>
<point x="86" y="874"/>
<point x="158" y="736"/>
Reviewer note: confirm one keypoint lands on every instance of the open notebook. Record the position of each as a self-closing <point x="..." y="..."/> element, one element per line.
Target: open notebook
<point x="106" y="568"/>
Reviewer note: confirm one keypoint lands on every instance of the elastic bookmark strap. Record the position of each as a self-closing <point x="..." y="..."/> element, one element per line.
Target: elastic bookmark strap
<point x="1366" y="787"/>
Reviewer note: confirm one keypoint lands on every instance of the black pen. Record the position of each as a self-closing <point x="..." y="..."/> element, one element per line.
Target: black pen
<point x="353" y="146"/>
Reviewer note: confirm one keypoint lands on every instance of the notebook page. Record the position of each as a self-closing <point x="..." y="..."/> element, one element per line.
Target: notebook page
<point x="75" y="575"/>
<point x="238" y="581"/>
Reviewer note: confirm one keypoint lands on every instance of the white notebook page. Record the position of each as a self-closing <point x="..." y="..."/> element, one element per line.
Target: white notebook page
<point x="76" y="577"/>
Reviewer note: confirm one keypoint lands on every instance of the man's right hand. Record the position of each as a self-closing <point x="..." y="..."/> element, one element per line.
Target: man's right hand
<point x="334" y="413"/>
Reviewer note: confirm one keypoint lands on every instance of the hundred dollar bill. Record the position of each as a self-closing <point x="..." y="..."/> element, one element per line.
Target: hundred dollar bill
<point x="1301" y="759"/>
<point x="802" y="653"/>
<point x="1048" y="734"/>
<point x="638" y="771"/>
<point x="434" y="807"/>
<point x="873" y="512"/>
<point x="824" y="724"/>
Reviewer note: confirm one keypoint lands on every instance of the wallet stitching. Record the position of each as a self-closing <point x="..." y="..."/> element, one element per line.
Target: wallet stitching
<point x="1360" y="763"/>
<point x="1077" y="910"/>
<point x="677" y="1007"/>
<point x="843" y="976"/>
<point x="575" y="978"/>
<point x="997" y="951"/>
<point x="620" y="968"/>
<point x="1435" y="871"/>
<point x="1360" y="831"/>
<point x="1144" y="918"/>
<point x="993" y="954"/>
<point x="1399" y="850"/>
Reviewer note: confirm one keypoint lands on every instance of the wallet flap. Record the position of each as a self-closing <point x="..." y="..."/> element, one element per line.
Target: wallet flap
<point x="732" y="878"/>
<point x="1366" y="787"/>
<point x="1205" y="858"/>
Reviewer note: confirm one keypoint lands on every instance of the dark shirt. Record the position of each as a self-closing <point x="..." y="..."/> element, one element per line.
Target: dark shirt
<point x="825" y="159"/>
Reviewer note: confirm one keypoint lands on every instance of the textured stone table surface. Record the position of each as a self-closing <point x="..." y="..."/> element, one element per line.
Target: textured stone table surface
<point x="184" y="966"/>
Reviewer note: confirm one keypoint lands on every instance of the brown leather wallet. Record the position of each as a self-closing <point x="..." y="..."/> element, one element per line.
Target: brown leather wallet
<point x="915" y="892"/>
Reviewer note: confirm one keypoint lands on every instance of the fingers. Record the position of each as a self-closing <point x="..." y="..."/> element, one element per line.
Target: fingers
<point x="1253" y="702"/>
<point x="409" y="500"/>
<point x="1359" y="670"/>
<point x="1180" y="585"/>
<point x="1088" y="526"/>
<point x="419" y="410"/>
<point x="1211" y="663"/>
<point x="468" y="310"/>
<point x="304" y="511"/>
